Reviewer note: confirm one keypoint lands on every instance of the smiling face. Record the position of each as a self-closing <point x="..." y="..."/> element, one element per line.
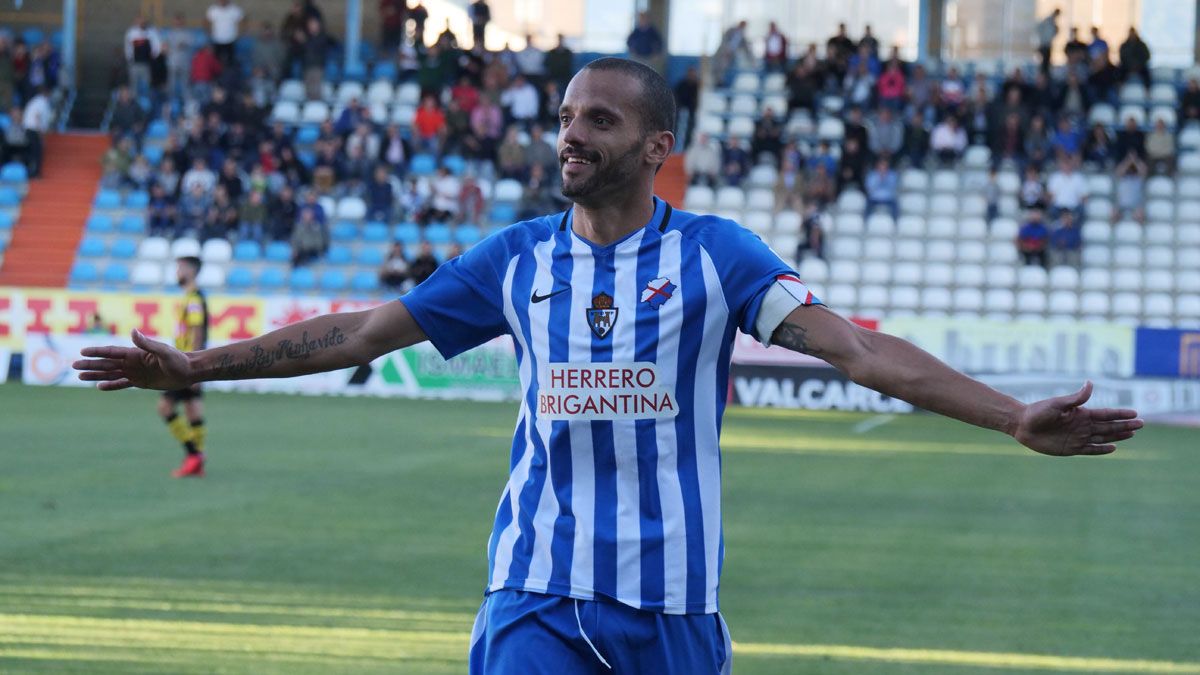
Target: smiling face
<point x="602" y="147"/>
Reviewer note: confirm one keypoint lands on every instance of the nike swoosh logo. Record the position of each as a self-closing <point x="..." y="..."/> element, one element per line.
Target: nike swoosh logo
<point x="535" y="298"/>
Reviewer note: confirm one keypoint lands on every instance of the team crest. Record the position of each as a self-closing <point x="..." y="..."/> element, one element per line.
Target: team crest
<point x="657" y="292"/>
<point x="602" y="316"/>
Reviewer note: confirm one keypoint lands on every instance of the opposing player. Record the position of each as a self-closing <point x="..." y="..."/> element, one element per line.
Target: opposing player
<point x="191" y="334"/>
<point x="607" y="545"/>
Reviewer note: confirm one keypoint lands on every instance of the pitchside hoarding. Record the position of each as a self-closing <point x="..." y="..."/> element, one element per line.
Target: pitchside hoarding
<point x="1027" y="360"/>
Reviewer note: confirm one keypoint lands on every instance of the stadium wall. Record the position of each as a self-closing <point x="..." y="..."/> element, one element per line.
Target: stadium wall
<point x="1154" y="370"/>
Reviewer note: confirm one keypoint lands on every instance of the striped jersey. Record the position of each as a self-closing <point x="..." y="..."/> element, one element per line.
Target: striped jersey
<point x="192" y="315"/>
<point x="623" y="353"/>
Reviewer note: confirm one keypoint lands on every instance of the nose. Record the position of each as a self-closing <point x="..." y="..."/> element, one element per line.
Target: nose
<point x="572" y="134"/>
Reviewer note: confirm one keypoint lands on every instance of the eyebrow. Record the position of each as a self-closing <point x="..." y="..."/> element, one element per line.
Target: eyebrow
<point x="594" y="110"/>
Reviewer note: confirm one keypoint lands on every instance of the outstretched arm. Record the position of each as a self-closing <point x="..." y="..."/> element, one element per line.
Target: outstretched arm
<point x="323" y="343"/>
<point x="1055" y="426"/>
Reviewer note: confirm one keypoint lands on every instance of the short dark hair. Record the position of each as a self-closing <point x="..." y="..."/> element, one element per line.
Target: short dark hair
<point x="190" y="260"/>
<point x="656" y="105"/>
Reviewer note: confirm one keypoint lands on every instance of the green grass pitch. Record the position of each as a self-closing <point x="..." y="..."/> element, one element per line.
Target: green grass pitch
<point x="344" y="535"/>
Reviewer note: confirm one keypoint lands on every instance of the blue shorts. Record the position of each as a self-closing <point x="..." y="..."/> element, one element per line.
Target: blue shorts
<point x="523" y="633"/>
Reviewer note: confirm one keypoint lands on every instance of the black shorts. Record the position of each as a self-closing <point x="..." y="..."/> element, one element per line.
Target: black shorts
<point x="180" y="395"/>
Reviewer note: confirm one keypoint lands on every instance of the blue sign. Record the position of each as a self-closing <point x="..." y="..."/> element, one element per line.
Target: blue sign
<point x="1167" y="352"/>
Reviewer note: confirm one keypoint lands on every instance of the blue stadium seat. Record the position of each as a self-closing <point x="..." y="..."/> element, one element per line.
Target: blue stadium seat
<point x="14" y="172"/>
<point x="307" y="157"/>
<point x="247" y="251"/>
<point x="384" y="70"/>
<point x="91" y="247"/>
<point x="343" y="231"/>
<point x="116" y="273"/>
<point x="84" y="272"/>
<point x="355" y="71"/>
<point x="375" y="233"/>
<point x="371" y="256"/>
<point x="278" y="251"/>
<point x="503" y="214"/>
<point x="408" y="233"/>
<point x="133" y="224"/>
<point x="9" y="197"/>
<point x="423" y="165"/>
<point x="303" y="279"/>
<point x="332" y="71"/>
<point x="123" y="248"/>
<point x="455" y="163"/>
<point x="33" y="36"/>
<point x="333" y="280"/>
<point x="365" y="282"/>
<point x="157" y="130"/>
<point x="153" y="154"/>
<point x="108" y="199"/>
<point x="307" y="135"/>
<point x="272" y="278"/>
<point x="100" y="223"/>
<point x="437" y="234"/>
<point x="56" y="39"/>
<point x="239" y="278"/>
<point x="137" y="199"/>
<point x="467" y="235"/>
<point x="6" y="220"/>
<point x="338" y="255"/>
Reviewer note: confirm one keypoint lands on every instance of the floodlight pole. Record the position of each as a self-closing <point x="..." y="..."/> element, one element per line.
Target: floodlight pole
<point x="70" y="21"/>
<point x="353" y="33"/>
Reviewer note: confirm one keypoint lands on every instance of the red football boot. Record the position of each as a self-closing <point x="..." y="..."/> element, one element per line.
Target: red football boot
<point x="192" y="467"/>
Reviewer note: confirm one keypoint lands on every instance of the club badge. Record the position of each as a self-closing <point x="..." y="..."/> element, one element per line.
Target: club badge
<point x="602" y="316"/>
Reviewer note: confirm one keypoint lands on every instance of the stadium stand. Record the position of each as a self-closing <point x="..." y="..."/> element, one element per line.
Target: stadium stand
<point x="796" y="150"/>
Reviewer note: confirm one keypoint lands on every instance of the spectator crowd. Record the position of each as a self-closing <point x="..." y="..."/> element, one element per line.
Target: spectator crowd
<point x="897" y="114"/>
<point x="192" y="126"/>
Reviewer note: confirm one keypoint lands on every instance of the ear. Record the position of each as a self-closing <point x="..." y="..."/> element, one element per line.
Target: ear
<point x="659" y="146"/>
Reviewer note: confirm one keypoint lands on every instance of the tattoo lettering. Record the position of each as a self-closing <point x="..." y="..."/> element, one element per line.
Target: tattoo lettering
<point x="795" y="338"/>
<point x="259" y="359"/>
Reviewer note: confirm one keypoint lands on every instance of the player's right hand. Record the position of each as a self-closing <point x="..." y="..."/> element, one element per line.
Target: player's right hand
<point x="149" y="364"/>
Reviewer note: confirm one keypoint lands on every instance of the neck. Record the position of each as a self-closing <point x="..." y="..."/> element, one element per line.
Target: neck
<point x="189" y="287"/>
<point x="615" y="218"/>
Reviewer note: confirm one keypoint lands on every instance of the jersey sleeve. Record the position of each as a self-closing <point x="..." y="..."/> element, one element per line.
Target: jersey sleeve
<point x="760" y="289"/>
<point x="461" y="306"/>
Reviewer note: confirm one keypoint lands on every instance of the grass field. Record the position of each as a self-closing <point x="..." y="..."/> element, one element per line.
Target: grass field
<point x="347" y="536"/>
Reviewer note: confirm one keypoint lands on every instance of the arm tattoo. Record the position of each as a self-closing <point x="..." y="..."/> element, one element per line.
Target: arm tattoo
<point x="259" y="360"/>
<point x="795" y="338"/>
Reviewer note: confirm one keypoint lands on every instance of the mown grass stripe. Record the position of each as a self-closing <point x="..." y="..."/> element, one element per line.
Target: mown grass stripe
<point x="968" y="658"/>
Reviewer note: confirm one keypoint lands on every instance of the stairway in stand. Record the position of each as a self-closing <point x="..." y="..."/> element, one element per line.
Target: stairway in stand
<point x="54" y="212"/>
<point x="671" y="181"/>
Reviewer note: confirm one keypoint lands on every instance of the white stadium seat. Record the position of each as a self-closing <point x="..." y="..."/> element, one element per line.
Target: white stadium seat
<point x="1064" y="278"/>
<point x="910" y="250"/>
<point x="1095" y="279"/>
<point x="1128" y="280"/>
<point x="941" y="228"/>
<point x="1063" y="302"/>
<point x="971" y="252"/>
<point x="699" y="198"/>
<point x="999" y="300"/>
<point x="845" y="271"/>
<point x="904" y="297"/>
<point x="1158" y="281"/>
<point x="1158" y="306"/>
<point x="937" y="298"/>
<point x="760" y="223"/>
<point x="907" y="273"/>
<point x="211" y="276"/>
<point x="153" y="248"/>
<point x="216" y="251"/>
<point x="1032" y="276"/>
<point x="939" y="274"/>
<point x="184" y="247"/>
<point x="845" y="248"/>
<point x="730" y="197"/>
<point x="842" y="296"/>
<point x="968" y="276"/>
<point x="848" y="223"/>
<point x="1001" y="276"/>
<point x="968" y="300"/>
<point x="876" y="272"/>
<point x="814" y="270"/>
<point x="913" y="203"/>
<point x="877" y="248"/>
<point x="1031" y="301"/>
<point x="147" y="273"/>
<point x="911" y="226"/>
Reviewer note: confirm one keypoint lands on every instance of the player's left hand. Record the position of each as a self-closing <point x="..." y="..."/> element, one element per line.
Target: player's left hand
<point x="1062" y="427"/>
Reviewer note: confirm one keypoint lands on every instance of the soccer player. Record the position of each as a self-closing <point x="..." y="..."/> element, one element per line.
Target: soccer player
<point x="607" y="543"/>
<point x="191" y="334"/>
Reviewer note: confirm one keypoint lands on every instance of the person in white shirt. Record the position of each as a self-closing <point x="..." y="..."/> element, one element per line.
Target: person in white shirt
<point x="703" y="161"/>
<point x="142" y="46"/>
<point x="224" y="18"/>
<point x="38" y="114"/>
<point x="531" y="61"/>
<point x="36" y="120"/>
<point x="443" y="205"/>
<point x="521" y="101"/>
<point x="948" y="140"/>
<point x="1067" y="189"/>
